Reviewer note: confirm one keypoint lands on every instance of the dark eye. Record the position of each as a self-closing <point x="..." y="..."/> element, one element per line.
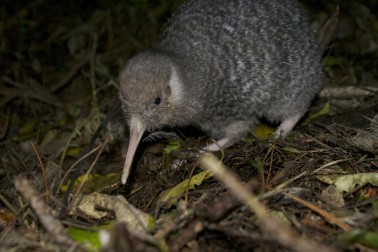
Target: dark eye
<point x="157" y="100"/>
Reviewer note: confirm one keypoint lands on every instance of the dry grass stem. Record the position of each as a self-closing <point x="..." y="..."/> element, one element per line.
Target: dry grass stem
<point x="42" y="210"/>
<point x="272" y="226"/>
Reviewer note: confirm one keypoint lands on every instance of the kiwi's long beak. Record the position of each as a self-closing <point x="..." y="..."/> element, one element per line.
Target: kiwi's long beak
<point x="136" y="133"/>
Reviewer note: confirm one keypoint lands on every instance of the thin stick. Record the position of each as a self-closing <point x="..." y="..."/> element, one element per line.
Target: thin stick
<point x="190" y="178"/>
<point x="76" y="163"/>
<point x="330" y="217"/>
<point x="43" y="171"/>
<point x="307" y="171"/>
<point x="42" y="210"/>
<point x="283" y="234"/>
<point x="106" y="141"/>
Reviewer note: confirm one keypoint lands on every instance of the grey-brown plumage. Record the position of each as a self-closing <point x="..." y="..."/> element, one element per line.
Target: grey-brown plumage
<point x="221" y="66"/>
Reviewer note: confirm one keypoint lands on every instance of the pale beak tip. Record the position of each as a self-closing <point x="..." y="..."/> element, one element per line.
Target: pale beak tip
<point x="124" y="178"/>
<point x="125" y="175"/>
<point x="136" y="133"/>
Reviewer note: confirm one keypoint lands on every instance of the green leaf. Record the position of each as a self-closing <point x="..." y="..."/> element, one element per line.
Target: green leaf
<point x="28" y="127"/>
<point x="163" y="246"/>
<point x="258" y="165"/>
<point x="74" y="151"/>
<point x="151" y="222"/>
<point x="364" y="237"/>
<point x="291" y="150"/>
<point x="332" y="61"/>
<point x="172" y="146"/>
<point x="263" y="131"/>
<point x="94" y="183"/>
<point x="170" y="196"/>
<point x="90" y="239"/>
<point x="323" y="111"/>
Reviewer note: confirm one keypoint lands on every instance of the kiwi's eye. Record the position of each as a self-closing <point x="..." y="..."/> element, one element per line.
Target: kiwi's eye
<point x="157" y="100"/>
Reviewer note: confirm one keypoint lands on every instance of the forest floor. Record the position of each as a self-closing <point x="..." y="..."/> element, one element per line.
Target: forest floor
<point x="60" y="176"/>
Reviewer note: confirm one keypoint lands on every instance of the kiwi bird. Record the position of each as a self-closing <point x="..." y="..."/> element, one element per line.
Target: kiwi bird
<point x="221" y="66"/>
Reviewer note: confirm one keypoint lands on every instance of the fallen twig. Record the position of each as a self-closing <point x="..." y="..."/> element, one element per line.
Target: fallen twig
<point x="42" y="210"/>
<point x="330" y="217"/>
<point x="283" y="234"/>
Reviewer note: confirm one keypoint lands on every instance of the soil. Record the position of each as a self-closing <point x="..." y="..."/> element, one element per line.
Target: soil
<point x="60" y="119"/>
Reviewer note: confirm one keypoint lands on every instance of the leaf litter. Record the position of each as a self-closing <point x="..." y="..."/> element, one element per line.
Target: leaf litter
<point x="59" y="73"/>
